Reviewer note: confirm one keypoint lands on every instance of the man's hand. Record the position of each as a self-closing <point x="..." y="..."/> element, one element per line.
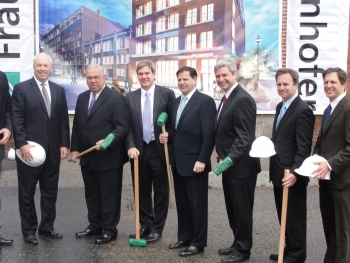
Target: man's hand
<point x="133" y="152"/>
<point x="198" y="167"/>
<point x="73" y="156"/>
<point x="163" y="138"/>
<point x="98" y="145"/>
<point x="25" y="150"/>
<point x="6" y="136"/>
<point x="289" y="180"/>
<point x="64" y="152"/>
<point x="321" y="172"/>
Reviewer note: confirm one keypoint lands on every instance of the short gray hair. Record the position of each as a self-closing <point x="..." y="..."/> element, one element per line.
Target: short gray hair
<point x="42" y="54"/>
<point x="229" y="63"/>
<point x="92" y="66"/>
<point x="146" y="63"/>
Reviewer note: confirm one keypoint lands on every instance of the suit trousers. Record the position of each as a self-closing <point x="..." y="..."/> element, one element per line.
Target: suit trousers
<point x="295" y="249"/>
<point x="103" y="190"/>
<point x="191" y="194"/>
<point x="335" y="211"/>
<point x="239" y="200"/>
<point x="28" y="177"/>
<point x="152" y="172"/>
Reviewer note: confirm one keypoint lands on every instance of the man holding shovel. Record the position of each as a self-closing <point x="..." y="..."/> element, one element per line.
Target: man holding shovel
<point x="99" y="112"/>
<point x="145" y="105"/>
<point x="292" y="137"/>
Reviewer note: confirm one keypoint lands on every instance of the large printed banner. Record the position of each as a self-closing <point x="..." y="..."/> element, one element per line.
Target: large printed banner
<point x="317" y="38"/>
<point x="17" y="39"/>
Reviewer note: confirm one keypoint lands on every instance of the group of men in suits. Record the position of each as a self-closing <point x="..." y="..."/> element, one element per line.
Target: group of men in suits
<point x="39" y="113"/>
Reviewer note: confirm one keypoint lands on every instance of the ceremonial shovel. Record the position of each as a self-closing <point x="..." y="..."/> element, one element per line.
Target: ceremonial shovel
<point x="283" y="219"/>
<point x="137" y="242"/>
<point x="103" y="146"/>
<point x="161" y="122"/>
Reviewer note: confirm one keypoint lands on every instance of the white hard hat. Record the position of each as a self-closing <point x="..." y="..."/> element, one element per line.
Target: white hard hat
<point x="262" y="147"/>
<point x="308" y="166"/>
<point x="38" y="153"/>
<point x="11" y="154"/>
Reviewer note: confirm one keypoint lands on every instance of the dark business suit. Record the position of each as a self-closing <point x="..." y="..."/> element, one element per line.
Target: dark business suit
<point x="5" y="105"/>
<point x="102" y="170"/>
<point x="293" y="142"/>
<point x="235" y="133"/>
<point x="192" y="140"/>
<point x="31" y="122"/>
<point x="152" y="163"/>
<point x="334" y="146"/>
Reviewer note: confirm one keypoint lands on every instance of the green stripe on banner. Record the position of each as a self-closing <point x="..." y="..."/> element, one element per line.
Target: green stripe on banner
<point x="13" y="78"/>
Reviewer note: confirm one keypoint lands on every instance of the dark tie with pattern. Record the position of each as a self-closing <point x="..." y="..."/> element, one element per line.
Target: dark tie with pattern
<point x="92" y="102"/>
<point x="326" y="117"/>
<point x="46" y="98"/>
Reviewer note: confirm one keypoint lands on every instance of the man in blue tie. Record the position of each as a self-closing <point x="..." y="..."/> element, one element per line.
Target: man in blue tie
<point x="192" y="136"/>
<point x="145" y="105"/>
<point x="292" y="136"/>
<point x="333" y="144"/>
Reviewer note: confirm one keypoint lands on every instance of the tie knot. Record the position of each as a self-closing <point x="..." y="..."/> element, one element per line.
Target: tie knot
<point x="93" y="95"/>
<point x="147" y="94"/>
<point x="329" y="107"/>
<point x="184" y="98"/>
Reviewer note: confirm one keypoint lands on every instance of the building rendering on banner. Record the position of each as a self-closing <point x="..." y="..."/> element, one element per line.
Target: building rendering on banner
<point x="86" y="37"/>
<point x="176" y="33"/>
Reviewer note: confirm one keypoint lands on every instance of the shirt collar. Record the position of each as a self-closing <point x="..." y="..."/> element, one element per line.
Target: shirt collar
<point x="228" y="93"/>
<point x="189" y="95"/>
<point x="288" y="102"/>
<point x="335" y="102"/>
<point x="39" y="82"/>
<point x="98" y="94"/>
<point x="150" y="91"/>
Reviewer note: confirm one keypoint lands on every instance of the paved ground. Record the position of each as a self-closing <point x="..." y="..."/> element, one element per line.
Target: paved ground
<point x="71" y="217"/>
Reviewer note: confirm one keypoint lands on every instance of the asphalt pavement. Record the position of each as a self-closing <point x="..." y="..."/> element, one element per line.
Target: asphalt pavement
<point x="72" y="217"/>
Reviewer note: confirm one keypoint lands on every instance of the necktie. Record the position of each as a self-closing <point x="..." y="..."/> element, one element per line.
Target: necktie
<point x="92" y="102"/>
<point x="326" y="117"/>
<point x="46" y="98"/>
<point x="223" y="101"/>
<point x="147" y="119"/>
<point x="282" y="111"/>
<point x="180" y="109"/>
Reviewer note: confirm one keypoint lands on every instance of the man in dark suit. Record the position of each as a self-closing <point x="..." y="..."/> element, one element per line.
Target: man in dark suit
<point x="99" y="112"/>
<point x="39" y="113"/>
<point x="292" y="133"/>
<point x="333" y="144"/>
<point x="235" y="133"/>
<point x="145" y="105"/>
<point x="192" y="138"/>
<point x="5" y="128"/>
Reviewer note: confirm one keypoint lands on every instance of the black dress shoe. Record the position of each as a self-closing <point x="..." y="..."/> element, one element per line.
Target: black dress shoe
<point x="31" y="239"/>
<point x="234" y="258"/>
<point x="225" y="250"/>
<point x="191" y="251"/>
<point x="179" y="244"/>
<point x="104" y="239"/>
<point x="143" y="233"/>
<point x="86" y="233"/>
<point x="4" y="241"/>
<point x="153" y="237"/>
<point x="51" y="234"/>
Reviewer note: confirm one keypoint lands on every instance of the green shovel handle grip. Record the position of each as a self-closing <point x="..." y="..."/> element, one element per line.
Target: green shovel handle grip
<point x="107" y="141"/>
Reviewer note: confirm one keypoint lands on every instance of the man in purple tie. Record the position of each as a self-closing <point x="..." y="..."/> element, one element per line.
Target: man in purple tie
<point x="99" y="112"/>
<point x="145" y="105"/>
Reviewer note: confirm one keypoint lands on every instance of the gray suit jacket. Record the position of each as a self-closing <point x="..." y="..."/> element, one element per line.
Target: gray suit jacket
<point x="334" y="145"/>
<point x="162" y="99"/>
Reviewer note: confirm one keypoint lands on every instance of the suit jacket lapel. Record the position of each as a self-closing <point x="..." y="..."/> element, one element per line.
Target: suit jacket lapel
<point x="156" y="100"/>
<point x="53" y="93"/>
<point x="287" y="114"/>
<point x="175" y="106"/>
<point x="334" y="114"/>
<point x="189" y="105"/>
<point x="101" y="98"/>
<point x="37" y="93"/>
<point x="278" y="109"/>
<point x="228" y="102"/>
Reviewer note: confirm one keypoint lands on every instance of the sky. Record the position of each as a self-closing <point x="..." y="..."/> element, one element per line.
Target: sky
<point x="118" y="11"/>
<point x="262" y="18"/>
